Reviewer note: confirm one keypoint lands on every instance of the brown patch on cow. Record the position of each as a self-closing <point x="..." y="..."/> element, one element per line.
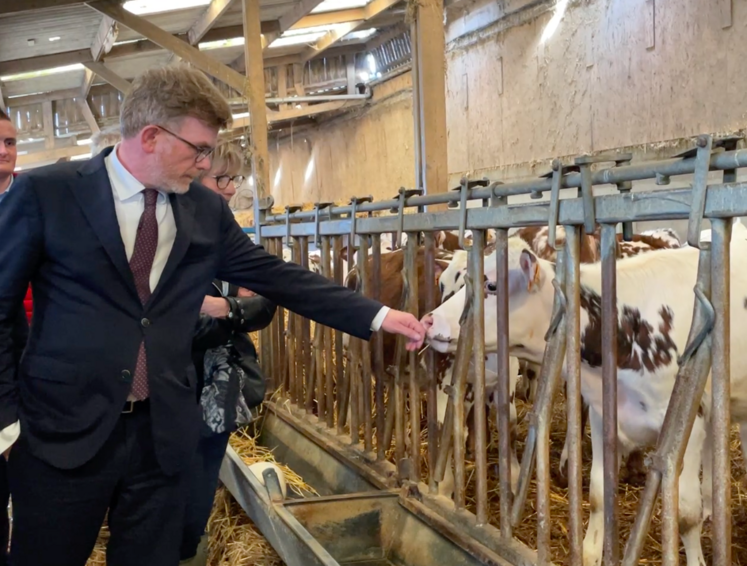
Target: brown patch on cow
<point x="639" y="346"/>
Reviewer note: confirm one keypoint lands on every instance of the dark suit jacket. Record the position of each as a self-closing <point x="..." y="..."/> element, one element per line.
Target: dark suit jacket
<point x="59" y="230"/>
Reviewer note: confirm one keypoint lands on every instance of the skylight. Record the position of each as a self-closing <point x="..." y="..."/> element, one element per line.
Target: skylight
<point x="308" y="38"/>
<point x="44" y="73"/>
<point x="362" y="34"/>
<point x="334" y="5"/>
<point x="142" y="7"/>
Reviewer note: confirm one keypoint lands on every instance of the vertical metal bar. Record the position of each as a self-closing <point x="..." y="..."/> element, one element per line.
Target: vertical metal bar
<point x="477" y="270"/>
<point x="305" y="350"/>
<point x="295" y="366"/>
<point x="574" y="407"/>
<point x="504" y="391"/>
<point x="721" y="390"/>
<point x="609" y="392"/>
<point x="411" y="268"/>
<point x="378" y="345"/>
<point x="280" y="321"/>
<point x="321" y="398"/>
<point x="399" y="401"/>
<point x="461" y="366"/>
<point x="429" y="276"/>
<point x="366" y="352"/>
<point x="328" y="381"/>
<point x="339" y="278"/>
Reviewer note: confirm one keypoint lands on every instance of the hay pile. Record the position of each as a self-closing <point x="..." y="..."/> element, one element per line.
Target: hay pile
<point x="234" y="539"/>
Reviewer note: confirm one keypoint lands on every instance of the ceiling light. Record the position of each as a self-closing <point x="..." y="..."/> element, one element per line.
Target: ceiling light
<point x="141" y="7"/>
<point x="298" y="39"/>
<point x="44" y="73"/>
<point x="55" y="38"/>
<point x="84" y="142"/>
<point x="241" y="115"/>
<point x="334" y="5"/>
<point x="80" y="157"/>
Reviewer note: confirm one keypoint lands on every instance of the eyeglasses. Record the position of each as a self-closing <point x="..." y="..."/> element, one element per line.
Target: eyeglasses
<point x="202" y="152"/>
<point x="223" y="180"/>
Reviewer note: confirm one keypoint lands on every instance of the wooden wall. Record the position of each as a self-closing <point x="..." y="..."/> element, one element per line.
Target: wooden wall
<point x="528" y="81"/>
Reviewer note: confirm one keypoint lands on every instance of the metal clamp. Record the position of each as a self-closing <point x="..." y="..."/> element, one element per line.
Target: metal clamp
<point x="317" y="209"/>
<point x="557" y="181"/>
<point x="465" y="191"/>
<point x="402" y="197"/>
<point x="354" y="201"/>
<point x="699" y="188"/>
<point x="625" y="187"/>
<point x="484" y="182"/>
<point x="587" y="191"/>
<point x="289" y="209"/>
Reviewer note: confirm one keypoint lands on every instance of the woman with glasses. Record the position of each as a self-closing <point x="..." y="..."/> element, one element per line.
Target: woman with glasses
<point x="230" y="382"/>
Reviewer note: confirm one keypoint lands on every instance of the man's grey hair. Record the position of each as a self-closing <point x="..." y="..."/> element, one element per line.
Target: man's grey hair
<point x="163" y="95"/>
<point x="105" y="138"/>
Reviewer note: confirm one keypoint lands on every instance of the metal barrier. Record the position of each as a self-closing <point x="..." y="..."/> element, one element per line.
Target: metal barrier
<point x="349" y="393"/>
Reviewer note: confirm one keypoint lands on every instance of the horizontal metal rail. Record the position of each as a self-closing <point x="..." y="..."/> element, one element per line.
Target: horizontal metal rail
<point x="726" y="160"/>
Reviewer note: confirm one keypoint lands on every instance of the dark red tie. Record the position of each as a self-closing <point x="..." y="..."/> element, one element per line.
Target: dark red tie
<point x="141" y="262"/>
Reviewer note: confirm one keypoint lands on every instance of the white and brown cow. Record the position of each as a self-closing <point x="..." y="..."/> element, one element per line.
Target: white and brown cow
<point x="655" y="308"/>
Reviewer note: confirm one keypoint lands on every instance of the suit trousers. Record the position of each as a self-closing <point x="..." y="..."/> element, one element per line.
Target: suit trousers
<point x="57" y="514"/>
<point x="203" y="482"/>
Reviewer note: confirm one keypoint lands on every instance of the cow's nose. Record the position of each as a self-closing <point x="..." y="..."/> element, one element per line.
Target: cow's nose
<point x="427" y="321"/>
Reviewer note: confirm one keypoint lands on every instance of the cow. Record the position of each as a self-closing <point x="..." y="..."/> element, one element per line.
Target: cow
<point x="655" y="308"/>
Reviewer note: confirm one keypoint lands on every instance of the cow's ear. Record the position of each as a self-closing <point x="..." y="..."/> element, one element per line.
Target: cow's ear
<point x="530" y="269"/>
<point x="439" y="267"/>
<point x="440" y="238"/>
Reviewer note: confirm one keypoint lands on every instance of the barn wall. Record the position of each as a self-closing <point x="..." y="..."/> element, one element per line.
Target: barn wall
<point x="643" y="75"/>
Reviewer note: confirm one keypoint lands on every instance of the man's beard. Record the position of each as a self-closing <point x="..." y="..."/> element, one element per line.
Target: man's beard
<point x="177" y="184"/>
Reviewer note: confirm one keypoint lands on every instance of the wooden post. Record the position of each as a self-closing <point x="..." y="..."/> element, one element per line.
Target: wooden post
<point x="430" y="90"/>
<point x="254" y="91"/>
<point x="48" y="117"/>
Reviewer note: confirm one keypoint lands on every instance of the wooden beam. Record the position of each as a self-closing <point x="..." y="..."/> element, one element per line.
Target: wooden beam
<point x="298" y="79"/>
<point x="329" y="18"/>
<point x="296" y="113"/>
<point x="350" y="65"/>
<point x="163" y="38"/>
<point x="429" y="67"/>
<point x="372" y="10"/>
<point x="18" y="101"/>
<point x="51" y="155"/>
<point x="105" y="37"/>
<point x="43" y="62"/>
<point x="295" y="14"/>
<point x="254" y="91"/>
<point x="88" y="78"/>
<point x="206" y="21"/>
<point x="48" y="122"/>
<point x="122" y="85"/>
<point x="8" y="7"/>
<point x="85" y="109"/>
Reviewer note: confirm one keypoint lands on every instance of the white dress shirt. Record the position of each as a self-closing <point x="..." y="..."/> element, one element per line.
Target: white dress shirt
<point x="129" y="203"/>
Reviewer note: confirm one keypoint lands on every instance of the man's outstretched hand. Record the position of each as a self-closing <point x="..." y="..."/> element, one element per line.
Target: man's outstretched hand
<point x="398" y="322"/>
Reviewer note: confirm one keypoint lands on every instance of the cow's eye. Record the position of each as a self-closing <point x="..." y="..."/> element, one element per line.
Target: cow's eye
<point x="490" y="286"/>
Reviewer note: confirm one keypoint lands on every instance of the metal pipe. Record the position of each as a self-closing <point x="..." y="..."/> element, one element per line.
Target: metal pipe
<point x="378" y="345"/>
<point x="321" y="397"/>
<point x="680" y="416"/>
<point x="295" y="390"/>
<point x="671" y="167"/>
<point x="411" y="270"/>
<point x="328" y="344"/>
<point x="430" y="291"/>
<point x="339" y="277"/>
<point x="365" y="352"/>
<point x="721" y="389"/>
<point x="310" y="98"/>
<point x="503" y="387"/>
<point x="573" y="401"/>
<point x="477" y="272"/>
<point x="305" y="327"/>
<point x="354" y="383"/>
<point x="609" y="392"/>
<point x="280" y="318"/>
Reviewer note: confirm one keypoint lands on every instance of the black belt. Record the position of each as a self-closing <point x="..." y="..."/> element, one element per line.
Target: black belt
<point x="135" y="406"/>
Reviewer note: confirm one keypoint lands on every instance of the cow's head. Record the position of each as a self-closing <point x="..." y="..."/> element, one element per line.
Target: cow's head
<point x="530" y="304"/>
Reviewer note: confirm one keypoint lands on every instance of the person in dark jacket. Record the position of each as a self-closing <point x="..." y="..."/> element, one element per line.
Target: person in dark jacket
<point x="20" y="332"/>
<point x="230" y="382"/>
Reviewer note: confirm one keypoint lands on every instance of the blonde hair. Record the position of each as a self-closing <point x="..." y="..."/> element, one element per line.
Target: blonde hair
<point x="226" y="160"/>
<point x="161" y="95"/>
<point x="105" y="138"/>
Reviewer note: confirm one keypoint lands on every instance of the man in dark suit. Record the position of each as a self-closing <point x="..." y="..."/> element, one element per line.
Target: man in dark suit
<point x="19" y="334"/>
<point x="119" y="251"/>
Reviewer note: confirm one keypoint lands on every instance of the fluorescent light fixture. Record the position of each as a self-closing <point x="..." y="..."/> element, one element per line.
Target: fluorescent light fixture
<point x="251" y="180"/>
<point x="55" y="38"/>
<point x="44" y="73"/>
<point x="334" y="5"/>
<point x="84" y="142"/>
<point x="362" y="34"/>
<point x="30" y="140"/>
<point x="221" y="43"/>
<point x="141" y="7"/>
<point x="241" y="115"/>
<point x="80" y="157"/>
